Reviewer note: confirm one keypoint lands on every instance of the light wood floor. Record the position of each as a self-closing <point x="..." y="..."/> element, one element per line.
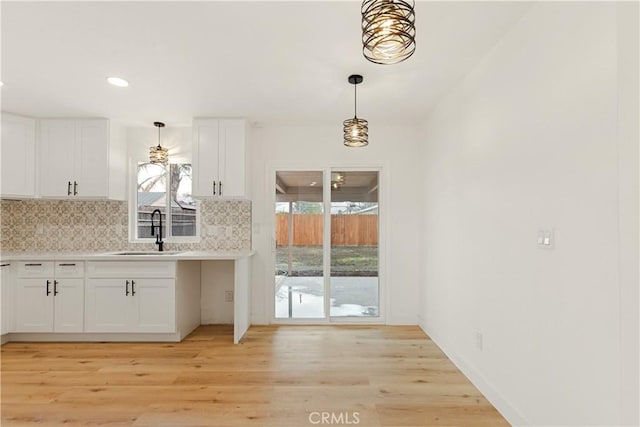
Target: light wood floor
<point x="278" y="376"/>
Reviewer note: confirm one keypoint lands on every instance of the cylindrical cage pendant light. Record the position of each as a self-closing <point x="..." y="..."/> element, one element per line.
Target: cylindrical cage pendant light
<point x="356" y="131"/>
<point x="158" y="154"/>
<point x="388" y="30"/>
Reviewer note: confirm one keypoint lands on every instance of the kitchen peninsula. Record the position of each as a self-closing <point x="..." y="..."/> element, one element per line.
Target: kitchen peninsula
<point x="117" y="296"/>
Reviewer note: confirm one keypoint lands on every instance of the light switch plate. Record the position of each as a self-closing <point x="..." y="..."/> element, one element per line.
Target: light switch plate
<point x="545" y="238"/>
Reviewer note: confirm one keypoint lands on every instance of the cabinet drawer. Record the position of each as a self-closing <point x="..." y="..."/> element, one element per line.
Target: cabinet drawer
<point x="131" y="269"/>
<point x="35" y="269"/>
<point x="69" y="269"/>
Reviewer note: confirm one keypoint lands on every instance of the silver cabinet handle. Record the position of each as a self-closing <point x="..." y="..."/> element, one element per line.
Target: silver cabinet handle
<point x="48" y="283"/>
<point x="68" y="188"/>
<point x="33" y="265"/>
<point x="133" y="289"/>
<point x="55" y="288"/>
<point x="220" y="190"/>
<point x="5" y="265"/>
<point x="67" y="265"/>
<point x="214" y="188"/>
<point x="75" y="188"/>
<point x="126" y="288"/>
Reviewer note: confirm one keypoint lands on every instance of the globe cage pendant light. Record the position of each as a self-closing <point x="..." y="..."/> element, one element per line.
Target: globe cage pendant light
<point x="158" y="154"/>
<point x="356" y="131"/>
<point x="388" y="30"/>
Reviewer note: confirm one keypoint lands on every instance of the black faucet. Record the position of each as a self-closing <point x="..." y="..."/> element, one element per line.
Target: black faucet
<point x="158" y="235"/>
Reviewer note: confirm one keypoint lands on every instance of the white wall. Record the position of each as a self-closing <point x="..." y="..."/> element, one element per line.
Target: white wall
<point x="528" y="141"/>
<point x="217" y="277"/>
<point x="629" y="191"/>
<point x="392" y="148"/>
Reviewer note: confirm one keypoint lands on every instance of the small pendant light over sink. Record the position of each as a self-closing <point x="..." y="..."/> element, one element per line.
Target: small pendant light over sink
<point x="356" y="131"/>
<point x="158" y="154"/>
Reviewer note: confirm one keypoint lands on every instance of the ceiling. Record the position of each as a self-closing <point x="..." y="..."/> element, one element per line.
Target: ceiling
<point x="271" y="62"/>
<point x="353" y="186"/>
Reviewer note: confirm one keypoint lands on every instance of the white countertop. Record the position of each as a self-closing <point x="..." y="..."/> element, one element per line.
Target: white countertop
<point x="113" y="256"/>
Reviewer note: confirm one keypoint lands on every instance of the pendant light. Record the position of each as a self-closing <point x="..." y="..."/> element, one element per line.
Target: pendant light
<point x="158" y="154"/>
<point x="356" y="131"/>
<point x="388" y="30"/>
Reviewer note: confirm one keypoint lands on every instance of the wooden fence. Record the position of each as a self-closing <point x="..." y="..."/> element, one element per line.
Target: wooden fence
<point x="346" y="230"/>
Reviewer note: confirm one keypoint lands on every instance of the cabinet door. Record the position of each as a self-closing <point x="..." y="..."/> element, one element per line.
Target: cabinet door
<point x="155" y="305"/>
<point x="232" y="158"/>
<point x="68" y="305"/>
<point x="34" y="308"/>
<point x="57" y="149"/>
<point x="205" y="157"/>
<point x="18" y="156"/>
<point x="91" y="169"/>
<point x="6" y="282"/>
<point x="108" y="308"/>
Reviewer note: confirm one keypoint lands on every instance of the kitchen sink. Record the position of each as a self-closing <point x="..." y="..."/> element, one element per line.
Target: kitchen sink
<point x="147" y="253"/>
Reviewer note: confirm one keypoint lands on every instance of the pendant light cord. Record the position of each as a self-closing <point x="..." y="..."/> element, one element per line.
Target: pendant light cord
<point x="355" y="100"/>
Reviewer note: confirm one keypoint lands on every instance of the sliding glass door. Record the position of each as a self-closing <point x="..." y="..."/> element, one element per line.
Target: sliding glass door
<point x="299" y="270"/>
<point x="327" y="244"/>
<point x="354" y="286"/>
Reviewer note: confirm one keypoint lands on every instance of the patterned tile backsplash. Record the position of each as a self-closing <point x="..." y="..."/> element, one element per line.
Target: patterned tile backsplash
<point x="94" y="226"/>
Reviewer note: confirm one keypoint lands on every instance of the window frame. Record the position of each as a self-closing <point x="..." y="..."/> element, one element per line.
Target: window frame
<point x="133" y="210"/>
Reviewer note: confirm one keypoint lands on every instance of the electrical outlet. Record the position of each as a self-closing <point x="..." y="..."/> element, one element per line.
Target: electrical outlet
<point x="479" y="340"/>
<point x="228" y="296"/>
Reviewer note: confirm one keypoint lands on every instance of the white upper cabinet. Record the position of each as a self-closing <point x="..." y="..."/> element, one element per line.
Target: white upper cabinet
<point x="219" y="158"/>
<point x="76" y="158"/>
<point x="18" y="177"/>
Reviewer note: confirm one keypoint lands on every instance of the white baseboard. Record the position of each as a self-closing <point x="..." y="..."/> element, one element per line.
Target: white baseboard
<point x="93" y="337"/>
<point x="502" y="405"/>
<point x="402" y="320"/>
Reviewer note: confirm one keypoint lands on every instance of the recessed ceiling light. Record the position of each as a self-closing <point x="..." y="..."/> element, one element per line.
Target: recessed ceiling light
<point x="117" y="81"/>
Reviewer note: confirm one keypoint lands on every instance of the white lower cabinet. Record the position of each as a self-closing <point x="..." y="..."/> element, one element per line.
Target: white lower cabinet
<point x="118" y="300"/>
<point x="49" y="297"/>
<point x="6" y="294"/>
